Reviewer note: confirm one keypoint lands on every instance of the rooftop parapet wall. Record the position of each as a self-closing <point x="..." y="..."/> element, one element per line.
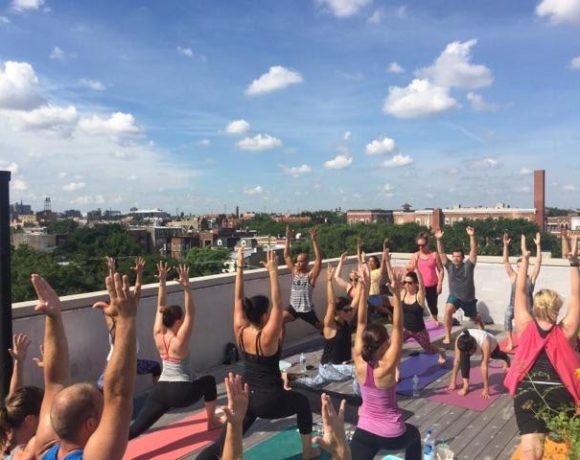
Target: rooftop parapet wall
<point x="213" y="298"/>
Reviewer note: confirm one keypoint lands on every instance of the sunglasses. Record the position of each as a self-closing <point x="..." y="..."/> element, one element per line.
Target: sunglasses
<point x="347" y="309"/>
<point x="421" y="245"/>
<point x="408" y="282"/>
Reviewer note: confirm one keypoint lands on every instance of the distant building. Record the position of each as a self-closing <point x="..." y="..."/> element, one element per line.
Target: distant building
<point x="369" y="216"/>
<point x="148" y="214"/>
<point x="181" y="244"/>
<point x="38" y="240"/>
<point x="20" y="209"/>
<point x="72" y="214"/>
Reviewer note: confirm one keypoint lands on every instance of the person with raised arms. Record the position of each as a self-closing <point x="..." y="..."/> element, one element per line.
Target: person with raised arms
<point x="350" y="285"/>
<point x="378" y="299"/>
<point x="512" y="275"/>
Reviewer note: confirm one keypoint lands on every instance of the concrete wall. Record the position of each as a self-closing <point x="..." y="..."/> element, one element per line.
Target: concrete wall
<point x="213" y="297"/>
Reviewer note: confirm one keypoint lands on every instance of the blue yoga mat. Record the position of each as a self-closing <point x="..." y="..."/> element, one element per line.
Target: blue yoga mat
<point x="285" y="445"/>
<point x="425" y="366"/>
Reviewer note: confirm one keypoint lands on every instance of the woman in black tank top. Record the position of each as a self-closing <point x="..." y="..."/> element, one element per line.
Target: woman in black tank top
<point x="259" y="330"/>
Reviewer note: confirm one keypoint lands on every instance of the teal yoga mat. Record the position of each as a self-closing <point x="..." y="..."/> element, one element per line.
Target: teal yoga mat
<point x="285" y="445"/>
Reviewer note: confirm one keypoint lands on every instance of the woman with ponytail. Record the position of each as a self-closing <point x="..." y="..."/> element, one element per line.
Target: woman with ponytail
<point x="176" y="387"/>
<point x="380" y="424"/>
<point x="259" y="330"/>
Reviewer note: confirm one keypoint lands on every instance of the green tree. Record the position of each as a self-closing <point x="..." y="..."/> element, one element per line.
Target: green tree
<point x="206" y="261"/>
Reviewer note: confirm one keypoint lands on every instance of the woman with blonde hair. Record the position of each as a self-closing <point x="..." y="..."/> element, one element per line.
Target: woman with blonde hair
<point x="543" y="369"/>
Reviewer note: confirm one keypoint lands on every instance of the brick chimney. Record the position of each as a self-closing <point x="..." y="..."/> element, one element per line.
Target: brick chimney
<point x="436" y="219"/>
<point x="540" y="198"/>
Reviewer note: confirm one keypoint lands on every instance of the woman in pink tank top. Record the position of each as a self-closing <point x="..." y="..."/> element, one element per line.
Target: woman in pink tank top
<point x="429" y="266"/>
<point x="376" y="358"/>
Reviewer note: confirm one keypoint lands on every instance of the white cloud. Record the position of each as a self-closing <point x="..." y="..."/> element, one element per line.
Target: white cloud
<point x="257" y="190"/>
<point x="453" y="69"/>
<point x="525" y="172"/>
<point x="398" y="161"/>
<point x="47" y="117"/>
<point x="376" y="17"/>
<point x="187" y="52"/>
<point x="19" y="185"/>
<point x="487" y="163"/>
<point x="9" y="166"/>
<point x="73" y="186"/>
<point x="575" y="63"/>
<point x="570" y="188"/>
<point x="238" y="127"/>
<point x="259" y="142"/>
<point x="18" y="86"/>
<point x="22" y="5"/>
<point x="85" y="200"/>
<point x="479" y="104"/>
<point x="347" y="136"/>
<point x="395" y="67"/>
<point x="340" y="161"/>
<point x="343" y="8"/>
<point x="559" y="11"/>
<point x="421" y="98"/>
<point x="204" y="142"/>
<point x="4" y="20"/>
<point x="57" y="54"/>
<point x="118" y="124"/>
<point x="276" y="78"/>
<point x="296" y="171"/>
<point x="94" y="85"/>
<point x="387" y="188"/>
<point x="381" y="146"/>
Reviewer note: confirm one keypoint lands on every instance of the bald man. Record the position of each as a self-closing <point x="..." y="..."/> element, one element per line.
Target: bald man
<point x="76" y="421"/>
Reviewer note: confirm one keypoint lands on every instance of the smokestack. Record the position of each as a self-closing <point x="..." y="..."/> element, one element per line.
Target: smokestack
<point x="540" y="198"/>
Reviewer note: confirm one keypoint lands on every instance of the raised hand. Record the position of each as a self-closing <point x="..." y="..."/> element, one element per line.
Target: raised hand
<point x="183" y="275"/>
<point x="439" y="234"/>
<point x="343" y="257"/>
<point x="240" y="257"/>
<point x="20" y="344"/>
<point x="359" y="245"/>
<point x="470" y="230"/>
<point x="162" y="270"/>
<point x="39" y="360"/>
<point x="238" y="399"/>
<point x="139" y="265"/>
<point x="573" y="254"/>
<point x="48" y="302"/>
<point x="313" y="232"/>
<point x="122" y="302"/>
<point x="525" y="252"/>
<point x="537" y="239"/>
<point x="506" y="239"/>
<point x="386" y="244"/>
<point x="334" y="438"/>
<point x="110" y="264"/>
<point x="329" y="272"/>
<point x="289" y="232"/>
<point x="271" y="263"/>
<point x="397" y="282"/>
<point x="364" y="275"/>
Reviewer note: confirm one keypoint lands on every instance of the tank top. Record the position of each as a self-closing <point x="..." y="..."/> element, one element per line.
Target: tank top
<point x="338" y="349"/>
<point x="52" y="454"/>
<point x="481" y="336"/>
<point x="379" y="413"/>
<point x="375" y="288"/>
<point x="543" y="370"/>
<point x="428" y="269"/>
<point x="529" y="293"/>
<point x="413" y="316"/>
<point x="261" y="372"/>
<point x="174" y="370"/>
<point x="301" y="293"/>
<point x="112" y="342"/>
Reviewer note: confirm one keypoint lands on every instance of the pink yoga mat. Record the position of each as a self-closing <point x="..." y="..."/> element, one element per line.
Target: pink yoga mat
<point x="172" y="441"/>
<point x="473" y="399"/>
<point x="435" y="331"/>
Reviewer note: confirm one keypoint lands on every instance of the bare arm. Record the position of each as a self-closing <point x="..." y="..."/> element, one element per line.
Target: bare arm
<point x="571" y="322"/>
<point x="440" y="274"/>
<point x="565" y="244"/>
<point x="384" y="258"/>
<point x="138" y="269"/>
<point x="421" y="292"/>
<point x="342" y="283"/>
<point x="472" y="245"/>
<point x="287" y="253"/>
<point x="162" y="269"/>
<point x="538" y="264"/>
<point x="440" y="251"/>
<point x="20" y="344"/>
<point x="363" y="293"/>
<point x="238" y="397"/>
<point x="240" y="320"/>
<point x="315" y="272"/>
<point x="111" y="436"/>
<point x="521" y="315"/>
<point x="506" y="257"/>
<point x="273" y="329"/>
<point x="56" y="367"/>
<point x="359" y="251"/>
<point x="330" y="303"/>
<point x="392" y="356"/>
<point x="184" y="332"/>
<point x="486" y="352"/>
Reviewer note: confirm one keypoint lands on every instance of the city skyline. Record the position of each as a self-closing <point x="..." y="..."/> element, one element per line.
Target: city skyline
<point x="277" y="106"/>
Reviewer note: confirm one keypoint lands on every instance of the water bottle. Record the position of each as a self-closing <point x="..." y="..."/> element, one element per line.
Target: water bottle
<point x="302" y="362"/>
<point x="415" y="381"/>
<point x="429" y="446"/>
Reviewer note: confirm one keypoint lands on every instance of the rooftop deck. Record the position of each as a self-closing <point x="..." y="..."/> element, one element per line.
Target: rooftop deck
<point x="471" y="434"/>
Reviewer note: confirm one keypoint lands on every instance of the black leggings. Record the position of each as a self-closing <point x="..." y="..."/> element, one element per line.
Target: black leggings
<point x="365" y="445"/>
<point x="465" y="360"/>
<point x="432" y="297"/>
<point x="269" y="405"/>
<point x="170" y="395"/>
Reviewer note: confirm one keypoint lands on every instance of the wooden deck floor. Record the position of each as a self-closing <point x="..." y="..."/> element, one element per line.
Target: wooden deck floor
<point x="487" y="435"/>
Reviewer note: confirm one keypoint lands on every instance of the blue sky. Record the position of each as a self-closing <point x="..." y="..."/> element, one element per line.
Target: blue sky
<point x="285" y="105"/>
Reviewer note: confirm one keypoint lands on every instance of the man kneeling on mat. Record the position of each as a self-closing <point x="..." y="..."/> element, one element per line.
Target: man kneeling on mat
<point x="469" y="342"/>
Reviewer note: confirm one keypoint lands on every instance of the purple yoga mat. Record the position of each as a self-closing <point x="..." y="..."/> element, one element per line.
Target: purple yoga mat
<point x="473" y="399"/>
<point x="435" y="331"/>
<point x="425" y="366"/>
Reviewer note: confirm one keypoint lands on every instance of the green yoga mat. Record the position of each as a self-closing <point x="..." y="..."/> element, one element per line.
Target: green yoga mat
<point x="285" y="445"/>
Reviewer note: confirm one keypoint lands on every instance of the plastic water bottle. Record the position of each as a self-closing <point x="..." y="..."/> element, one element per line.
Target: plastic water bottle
<point x="428" y="446"/>
<point x="415" y="381"/>
<point x="302" y="362"/>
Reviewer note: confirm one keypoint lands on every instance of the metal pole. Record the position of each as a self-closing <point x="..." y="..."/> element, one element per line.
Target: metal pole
<point x="5" y="288"/>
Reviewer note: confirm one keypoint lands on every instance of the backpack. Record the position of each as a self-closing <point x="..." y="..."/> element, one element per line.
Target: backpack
<point x="231" y="355"/>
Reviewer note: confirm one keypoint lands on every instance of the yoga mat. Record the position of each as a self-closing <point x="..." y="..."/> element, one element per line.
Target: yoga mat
<point x="552" y="451"/>
<point x="285" y="445"/>
<point x="435" y="331"/>
<point x="473" y="399"/>
<point x="425" y="366"/>
<point x="172" y="441"/>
